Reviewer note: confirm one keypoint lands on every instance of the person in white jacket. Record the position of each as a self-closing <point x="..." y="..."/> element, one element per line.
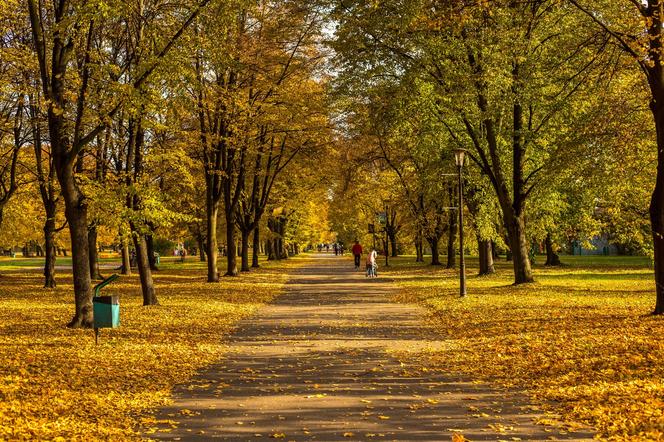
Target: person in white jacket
<point x="372" y="266"/>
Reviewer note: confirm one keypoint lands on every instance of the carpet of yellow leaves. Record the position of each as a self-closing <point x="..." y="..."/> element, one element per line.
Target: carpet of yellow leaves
<point x="56" y="384"/>
<point x="580" y="339"/>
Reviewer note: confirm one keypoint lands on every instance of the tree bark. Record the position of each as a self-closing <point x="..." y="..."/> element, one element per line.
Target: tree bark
<point x="231" y="256"/>
<point x="393" y="245"/>
<point x="279" y="248"/>
<point x="392" y="227"/>
<point x="552" y="258"/>
<point x="245" y="251"/>
<point x="657" y="198"/>
<point x="76" y="212"/>
<point x="452" y="233"/>
<point x="49" y="245"/>
<point x="145" y="274"/>
<point x="93" y="256"/>
<point x="485" y="257"/>
<point x="201" y="248"/>
<point x="212" y="214"/>
<point x="494" y="250"/>
<point x="269" y="248"/>
<point x="451" y="251"/>
<point x="435" y="254"/>
<point x="519" y="247"/>
<point x="126" y="260"/>
<point x="419" y="247"/>
<point x="256" y="248"/>
<point x="149" y="244"/>
<point x="282" y="253"/>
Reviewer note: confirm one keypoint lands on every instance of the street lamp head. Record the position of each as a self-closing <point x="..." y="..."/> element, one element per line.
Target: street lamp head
<point x="459" y="156"/>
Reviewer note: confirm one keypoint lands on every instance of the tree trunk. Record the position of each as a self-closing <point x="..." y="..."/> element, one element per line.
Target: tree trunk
<point x="269" y="247"/>
<point x="64" y="156"/>
<point x="452" y="230"/>
<point x="126" y="260"/>
<point x="212" y="214"/>
<point x="143" y="263"/>
<point x="451" y="238"/>
<point x="93" y="257"/>
<point x="435" y="254"/>
<point x="485" y="257"/>
<point x="76" y="212"/>
<point x="494" y="250"/>
<point x="256" y="248"/>
<point x="393" y="244"/>
<point x="552" y="258"/>
<point x="201" y="248"/>
<point x="279" y="248"/>
<point x="231" y="256"/>
<point x="419" y="247"/>
<point x="282" y="253"/>
<point x="657" y="198"/>
<point x="519" y="248"/>
<point x="245" y="251"/>
<point x="149" y="244"/>
<point x="49" y="245"/>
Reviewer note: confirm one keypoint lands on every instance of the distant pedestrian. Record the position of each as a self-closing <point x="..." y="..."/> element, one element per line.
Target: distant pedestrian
<point x="336" y="248"/>
<point x="357" y="254"/>
<point x="372" y="265"/>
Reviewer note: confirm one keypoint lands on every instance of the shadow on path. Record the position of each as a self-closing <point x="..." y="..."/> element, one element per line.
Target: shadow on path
<point x="317" y="365"/>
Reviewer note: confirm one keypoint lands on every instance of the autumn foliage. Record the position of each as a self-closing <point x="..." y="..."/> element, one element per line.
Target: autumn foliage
<point x="579" y="340"/>
<point x="57" y="384"/>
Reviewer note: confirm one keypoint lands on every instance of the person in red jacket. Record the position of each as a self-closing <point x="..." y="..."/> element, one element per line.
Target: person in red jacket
<point x="357" y="254"/>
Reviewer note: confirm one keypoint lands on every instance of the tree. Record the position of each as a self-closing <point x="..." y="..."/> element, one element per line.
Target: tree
<point x="624" y="22"/>
<point x="63" y="36"/>
<point x="504" y="55"/>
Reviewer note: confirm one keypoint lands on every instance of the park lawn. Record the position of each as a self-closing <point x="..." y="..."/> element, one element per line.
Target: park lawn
<point x="56" y="384"/>
<point x="580" y="339"/>
<point x="7" y="263"/>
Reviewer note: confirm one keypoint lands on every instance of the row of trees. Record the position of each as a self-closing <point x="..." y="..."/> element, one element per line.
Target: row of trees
<point x="126" y="119"/>
<point x="150" y="115"/>
<point x="546" y="96"/>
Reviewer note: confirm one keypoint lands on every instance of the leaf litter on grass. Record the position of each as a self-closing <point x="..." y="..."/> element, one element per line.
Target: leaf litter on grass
<point x="580" y="339"/>
<point x="56" y="383"/>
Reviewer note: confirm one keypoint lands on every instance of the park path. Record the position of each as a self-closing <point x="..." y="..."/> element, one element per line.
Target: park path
<point x="317" y="364"/>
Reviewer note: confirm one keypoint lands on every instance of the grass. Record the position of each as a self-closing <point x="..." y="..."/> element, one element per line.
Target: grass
<point x="579" y="339"/>
<point x="56" y="384"/>
<point x="106" y="261"/>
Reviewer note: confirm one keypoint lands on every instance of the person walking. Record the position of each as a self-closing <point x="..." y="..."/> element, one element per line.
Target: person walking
<point x="372" y="265"/>
<point x="357" y="254"/>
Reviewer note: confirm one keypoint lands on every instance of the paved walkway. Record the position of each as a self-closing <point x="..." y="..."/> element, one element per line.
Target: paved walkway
<point x="316" y="365"/>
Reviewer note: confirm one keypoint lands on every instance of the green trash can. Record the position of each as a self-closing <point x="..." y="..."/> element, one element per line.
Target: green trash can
<point x="106" y="309"/>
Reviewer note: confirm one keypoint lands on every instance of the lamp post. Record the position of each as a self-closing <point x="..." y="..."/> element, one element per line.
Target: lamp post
<point x="459" y="156"/>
